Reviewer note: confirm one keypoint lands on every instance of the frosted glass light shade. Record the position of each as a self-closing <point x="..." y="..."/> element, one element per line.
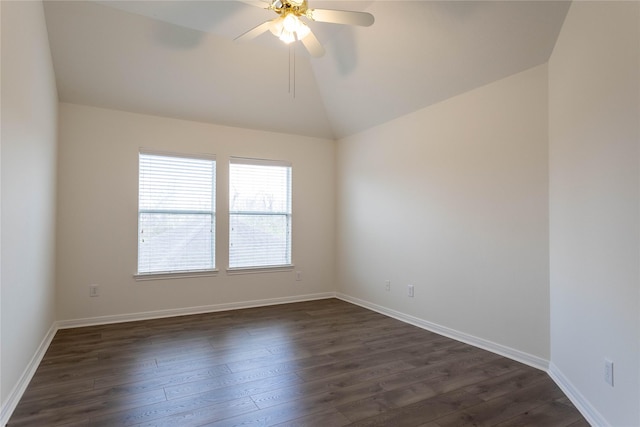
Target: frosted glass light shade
<point x="289" y="28"/>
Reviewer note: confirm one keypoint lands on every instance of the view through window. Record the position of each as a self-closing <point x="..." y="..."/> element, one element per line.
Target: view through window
<point x="259" y="213"/>
<point x="176" y="213"/>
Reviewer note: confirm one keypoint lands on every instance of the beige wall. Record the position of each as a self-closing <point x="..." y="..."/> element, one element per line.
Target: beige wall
<point x="594" y="124"/>
<point x="453" y="199"/>
<point x="29" y="108"/>
<point x="97" y="213"/>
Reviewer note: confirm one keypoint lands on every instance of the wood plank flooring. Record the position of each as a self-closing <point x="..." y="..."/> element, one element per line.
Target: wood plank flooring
<point x="319" y="363"/>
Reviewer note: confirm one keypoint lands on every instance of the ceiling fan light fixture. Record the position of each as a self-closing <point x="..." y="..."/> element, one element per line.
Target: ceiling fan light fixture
<point x="289" y="28"/>
<point x="291" y="22"/>
<point x="303" y="30"/>
<point x="276" y="26"/>
<point x="293" y="27"/>
<point x="279" y="29"/>
<point x="287" y="36"/>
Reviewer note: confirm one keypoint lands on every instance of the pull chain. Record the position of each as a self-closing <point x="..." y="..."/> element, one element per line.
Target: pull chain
<point x="292" y="69"/>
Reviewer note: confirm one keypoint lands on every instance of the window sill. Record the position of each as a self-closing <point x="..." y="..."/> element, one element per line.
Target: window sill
<point x="174" y="275"/>
<point x="263" y="269"/>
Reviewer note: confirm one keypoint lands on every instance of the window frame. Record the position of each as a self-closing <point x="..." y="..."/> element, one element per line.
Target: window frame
<point x="141" y="276"/>
<point x="289" y="216"/>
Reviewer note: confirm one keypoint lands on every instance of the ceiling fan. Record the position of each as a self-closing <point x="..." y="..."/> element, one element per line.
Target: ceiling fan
<point x="289" y="27"/>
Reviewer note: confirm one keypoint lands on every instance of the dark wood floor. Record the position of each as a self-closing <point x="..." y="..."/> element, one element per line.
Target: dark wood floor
<point x="320" y="363"/>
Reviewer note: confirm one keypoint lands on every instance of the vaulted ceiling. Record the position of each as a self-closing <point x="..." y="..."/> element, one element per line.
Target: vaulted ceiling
<point x="179" y="59"/>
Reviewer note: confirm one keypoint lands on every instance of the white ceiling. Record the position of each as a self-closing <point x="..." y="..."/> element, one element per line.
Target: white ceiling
<point x="178" y="59"/>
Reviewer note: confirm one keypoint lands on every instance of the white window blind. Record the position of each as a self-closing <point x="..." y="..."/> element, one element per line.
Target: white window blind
<point x="259" y="213"/>
<point x="176" y="213"/>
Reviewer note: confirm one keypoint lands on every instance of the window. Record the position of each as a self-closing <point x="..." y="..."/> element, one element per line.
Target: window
<point x="259" y="213"/>
<point x="176" y="213"/>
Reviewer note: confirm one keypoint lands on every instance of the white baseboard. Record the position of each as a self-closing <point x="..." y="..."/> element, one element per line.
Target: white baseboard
<point x="18" y="390"/>
<point x="590" y="413"/>
<point x="579" y="401"/>
<point x="511" y="353"/>
<point x="132" y="317"/>
<point x="16" y="394"/>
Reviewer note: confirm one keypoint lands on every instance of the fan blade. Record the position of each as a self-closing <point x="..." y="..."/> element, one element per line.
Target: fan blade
<point x="312" y="45"/>
<point x="257" y="3"/>
<point x="363" y="19"/>
<point x="255" y="32"/>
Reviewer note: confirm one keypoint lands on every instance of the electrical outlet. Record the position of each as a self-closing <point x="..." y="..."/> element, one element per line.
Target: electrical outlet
<point x="608" y="372"/>
<point x="387" y="285"/>
<point x="298" y="276"/>
<point x="410" y="290"/>
<point x="94" y="291"/>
